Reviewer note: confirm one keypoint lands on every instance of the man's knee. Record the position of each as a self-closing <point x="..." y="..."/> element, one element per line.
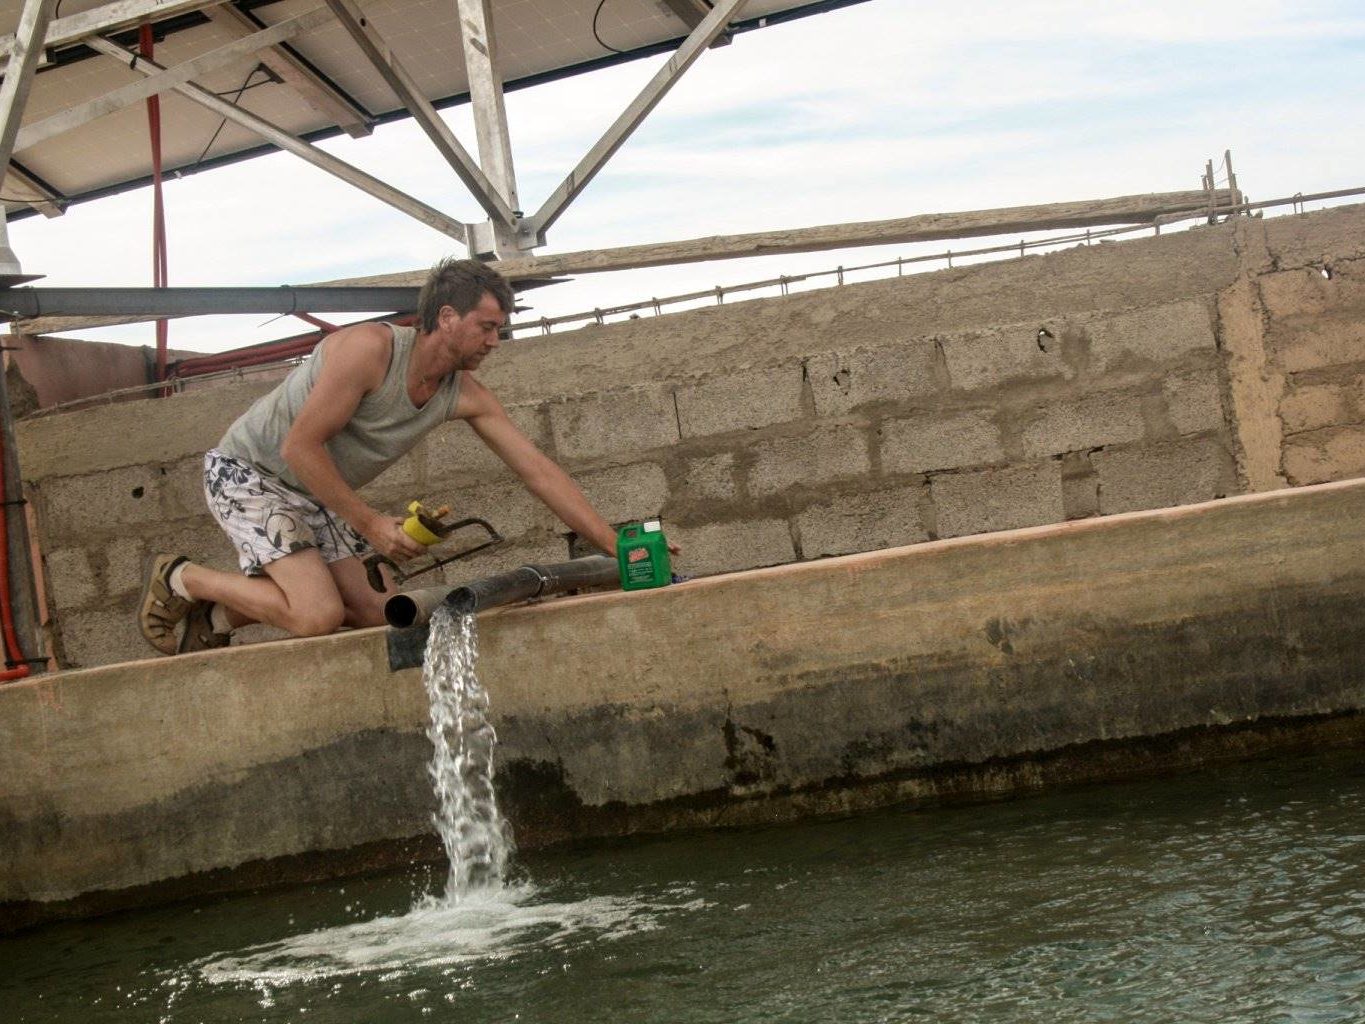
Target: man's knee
<point x="318" y="620"/>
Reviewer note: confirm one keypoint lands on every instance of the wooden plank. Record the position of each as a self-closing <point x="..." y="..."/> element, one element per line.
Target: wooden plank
<point x="125" y="96"/>
<point x="932" y="227"/>
<point x="316" y="91"/>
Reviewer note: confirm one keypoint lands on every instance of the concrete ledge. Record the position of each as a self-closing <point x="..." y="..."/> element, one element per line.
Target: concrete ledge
<point x="960" y="668"/>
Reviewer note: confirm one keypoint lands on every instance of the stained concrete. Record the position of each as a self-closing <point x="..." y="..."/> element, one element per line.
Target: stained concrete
<point x="958" y="668"/>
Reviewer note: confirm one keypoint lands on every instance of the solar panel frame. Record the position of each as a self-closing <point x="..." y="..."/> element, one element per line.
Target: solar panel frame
<point x="536" y="40"/>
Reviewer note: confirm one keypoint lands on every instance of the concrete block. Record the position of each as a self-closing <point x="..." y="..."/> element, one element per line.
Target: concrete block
<point x="124" y="560"/>
<point x="101" y="504"/>
<point x="1322" y="404"/>
<point x="182" y="488"/>
<point x="510" y="507"/>
<point x="901" y="372"/>
<point x="1155" y="334"/>
<point x="985" y="500"/>
<point x="1194" y="401"/>
<point x="70" y="578"/>
<point x="1001" y="356"/>
<point x="626" y="492"/>
<point x="1091" y="422"/>
<point x="1314" y="291"/>
<point x="132" y="433"/>
<point x="709" y="479"/>
<point x="1161" y="475"/>
<point x="1316" y="342"/>
<point x="101" y="637"/>
<point x="830" y="452"/>
<point x="1333" y="453"/>
<point x="453" y="449"/>
<point x="744" y="399"/>
<point x="536" y="548"/>
<point x="621" y="423"/>
<point x="201" y="539"/>
<point x="868" y="521"/>
<point x="925" y="443"/>
<point x="1311" y="238"/>
<point x="728" y="547"/>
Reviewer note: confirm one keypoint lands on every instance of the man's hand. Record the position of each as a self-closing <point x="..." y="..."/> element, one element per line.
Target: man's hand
<point x="386" y="536"/>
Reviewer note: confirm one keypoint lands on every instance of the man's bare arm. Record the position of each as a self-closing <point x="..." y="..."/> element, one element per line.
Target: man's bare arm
<point x="541" y="474"/>
<point x="355" y="364"/>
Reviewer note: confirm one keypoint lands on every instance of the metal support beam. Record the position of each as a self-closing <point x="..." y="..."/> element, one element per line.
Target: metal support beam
<point x="26" y="51"/>
<point x="691" y="13"/>
<point x="228" y="54"/>
<point x="279" y="137"/>
<point x="700" y="38"/>
<point x="490" y="111"/>
<point x="27" y="303"/>
<point x="108" y="18"/>
<point x="45" y="200"/>
<point x="315" y="90"/>
<point x="378" y="53"/>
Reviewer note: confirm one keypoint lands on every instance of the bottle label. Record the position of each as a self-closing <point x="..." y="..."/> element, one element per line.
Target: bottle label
<point x="639" y="566"/>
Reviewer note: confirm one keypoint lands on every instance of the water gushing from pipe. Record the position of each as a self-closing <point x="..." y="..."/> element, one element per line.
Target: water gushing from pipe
<point x="477" y="839"/>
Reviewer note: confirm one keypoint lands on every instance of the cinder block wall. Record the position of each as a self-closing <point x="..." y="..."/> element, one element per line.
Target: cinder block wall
<point x="1103" y="379"/>
<point x="1314" y="316"/>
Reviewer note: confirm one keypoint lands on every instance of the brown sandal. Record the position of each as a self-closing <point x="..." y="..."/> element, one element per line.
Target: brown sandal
<point x="161" y="609"/>
<point x="199" y="634"/>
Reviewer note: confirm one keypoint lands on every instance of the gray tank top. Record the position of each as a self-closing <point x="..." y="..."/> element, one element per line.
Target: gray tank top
<point x="384" y="427"/>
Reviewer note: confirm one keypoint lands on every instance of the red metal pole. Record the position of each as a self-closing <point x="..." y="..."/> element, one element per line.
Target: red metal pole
<point x="146" y="46"/>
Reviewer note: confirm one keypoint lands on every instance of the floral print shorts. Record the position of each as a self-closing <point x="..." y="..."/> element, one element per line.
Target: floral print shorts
<point x="267" y="519"/>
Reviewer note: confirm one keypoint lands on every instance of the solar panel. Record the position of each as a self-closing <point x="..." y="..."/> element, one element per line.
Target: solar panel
<point x="533" y="39"/>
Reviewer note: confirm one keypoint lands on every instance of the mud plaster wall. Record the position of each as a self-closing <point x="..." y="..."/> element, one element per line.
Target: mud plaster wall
<point x="1097" y="380"/>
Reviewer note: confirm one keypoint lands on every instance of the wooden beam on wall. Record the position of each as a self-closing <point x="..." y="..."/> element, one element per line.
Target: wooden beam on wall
<point x="931" y="227"/>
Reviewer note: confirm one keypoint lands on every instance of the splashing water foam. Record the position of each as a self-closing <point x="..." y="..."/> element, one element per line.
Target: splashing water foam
<point x="479" y="916"/>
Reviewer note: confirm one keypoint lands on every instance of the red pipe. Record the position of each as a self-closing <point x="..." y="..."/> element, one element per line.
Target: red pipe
<point x="13" y="652"/>
<point x="160" y="264"/>
<point x="256" y="355"/>
<point x="308" y="318"/>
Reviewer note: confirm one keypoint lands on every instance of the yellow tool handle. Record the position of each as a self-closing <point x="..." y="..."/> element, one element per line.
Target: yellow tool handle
<point x="418" y="525"/>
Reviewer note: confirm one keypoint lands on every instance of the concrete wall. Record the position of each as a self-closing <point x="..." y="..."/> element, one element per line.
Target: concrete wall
<point x="1102" y="379"/>
<point x="958" y="668"/>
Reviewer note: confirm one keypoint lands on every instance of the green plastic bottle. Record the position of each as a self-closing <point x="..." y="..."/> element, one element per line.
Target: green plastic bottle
<point x="642" y="555"/>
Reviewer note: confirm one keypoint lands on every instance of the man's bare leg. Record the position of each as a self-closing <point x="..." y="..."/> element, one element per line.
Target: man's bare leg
<point x="364" y="605"/>
<point x="297" y="594"/>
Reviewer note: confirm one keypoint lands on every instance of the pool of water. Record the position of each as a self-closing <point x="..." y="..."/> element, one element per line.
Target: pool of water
<point x="1236" y="894"/>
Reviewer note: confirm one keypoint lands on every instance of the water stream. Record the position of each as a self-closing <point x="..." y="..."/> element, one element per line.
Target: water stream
<point x="477" y="838"/>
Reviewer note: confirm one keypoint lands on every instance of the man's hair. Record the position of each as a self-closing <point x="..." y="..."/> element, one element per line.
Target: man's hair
<point x="460" y="284"/>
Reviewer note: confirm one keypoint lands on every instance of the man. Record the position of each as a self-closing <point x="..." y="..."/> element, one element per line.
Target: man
<point x="283" y="481"/>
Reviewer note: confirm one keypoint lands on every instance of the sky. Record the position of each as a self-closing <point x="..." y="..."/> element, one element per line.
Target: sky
<point x="887" y="109"/>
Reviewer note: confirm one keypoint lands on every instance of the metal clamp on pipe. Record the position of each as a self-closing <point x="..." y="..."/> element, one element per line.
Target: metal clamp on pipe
<point x="408" y="613"/>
